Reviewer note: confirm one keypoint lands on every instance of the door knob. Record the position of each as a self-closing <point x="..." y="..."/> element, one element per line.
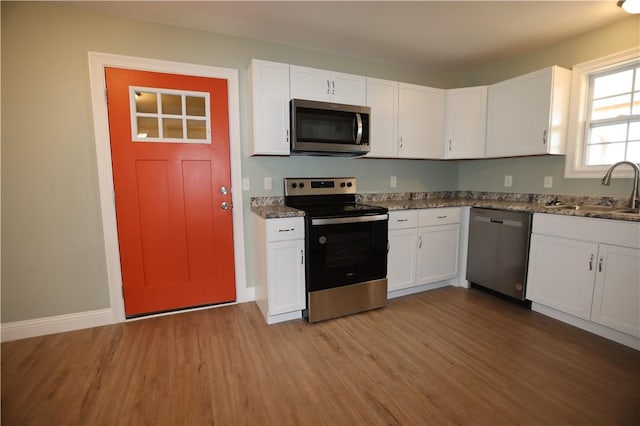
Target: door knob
<point x="223" y="190"/>
<point x="224" y="205"/>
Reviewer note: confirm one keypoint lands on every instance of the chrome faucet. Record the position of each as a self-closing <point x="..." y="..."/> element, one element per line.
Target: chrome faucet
<point x="634" y="201"/>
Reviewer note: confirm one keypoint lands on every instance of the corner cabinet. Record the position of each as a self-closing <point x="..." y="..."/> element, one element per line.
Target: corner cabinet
<point x="423" y="246"/>
<point x="588" y="269"/>
<point x="280" y="271"/>
<point x="527" y="115"/>
<point x="269" y="121"/>
<point x="329" y="86"/>
<point x="421" y="121"/>
<point x="465" y="122"/>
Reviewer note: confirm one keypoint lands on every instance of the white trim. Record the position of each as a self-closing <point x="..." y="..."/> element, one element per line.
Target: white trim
<point x="57" y="324"/>
<point x="97" y="63"/>
<point x="420" y="288"/>
<point x="578" y="114"/>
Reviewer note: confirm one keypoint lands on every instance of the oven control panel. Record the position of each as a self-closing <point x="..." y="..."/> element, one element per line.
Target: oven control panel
<point x="319" y="186"/>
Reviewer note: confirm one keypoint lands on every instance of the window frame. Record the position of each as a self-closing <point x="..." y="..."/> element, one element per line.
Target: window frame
<point x="578" y="113"/>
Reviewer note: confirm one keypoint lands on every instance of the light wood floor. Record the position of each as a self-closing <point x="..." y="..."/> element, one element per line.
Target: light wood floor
<point x="448" y="356"/>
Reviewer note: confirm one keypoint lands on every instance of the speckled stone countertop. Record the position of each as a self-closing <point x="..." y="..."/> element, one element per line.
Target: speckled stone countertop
<point x="272" y="207"/>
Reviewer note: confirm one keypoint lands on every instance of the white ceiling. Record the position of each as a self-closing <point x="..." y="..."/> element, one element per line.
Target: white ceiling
<point x="435" y="35"/>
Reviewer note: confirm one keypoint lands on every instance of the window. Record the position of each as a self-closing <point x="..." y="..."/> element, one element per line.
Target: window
<point x="175" y="116"/>
<point x="613" y="123"/>
<point x="604" y="120"/>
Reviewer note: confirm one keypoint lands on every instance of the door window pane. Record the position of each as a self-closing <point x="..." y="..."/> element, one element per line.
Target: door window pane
<point x="196" y="129"/>
<point x="171" y="104"/>
<point x="146" y="102"/>
<point x="147" y="127"/>
<point x="172" y="128"/>
<point x="196" y="106"/>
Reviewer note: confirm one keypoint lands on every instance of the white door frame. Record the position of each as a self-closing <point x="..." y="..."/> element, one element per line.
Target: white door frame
<point x="97" y="63"/>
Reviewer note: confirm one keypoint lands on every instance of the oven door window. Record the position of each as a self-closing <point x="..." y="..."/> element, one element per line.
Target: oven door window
<point x="345" y="254"/>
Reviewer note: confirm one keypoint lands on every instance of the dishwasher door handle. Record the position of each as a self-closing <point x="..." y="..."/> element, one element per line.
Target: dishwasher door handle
<point x="506" y="222"/>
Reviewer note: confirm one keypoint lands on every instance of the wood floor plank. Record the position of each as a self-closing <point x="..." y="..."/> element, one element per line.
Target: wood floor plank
<point x="448" y="356"/>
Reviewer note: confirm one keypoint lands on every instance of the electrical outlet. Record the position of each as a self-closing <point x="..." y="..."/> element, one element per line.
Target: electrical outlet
<point x="508" y="181"/>
<point x="548" y="181"/>
<point x="268" y="183"/>
<point x="394" y="182"/>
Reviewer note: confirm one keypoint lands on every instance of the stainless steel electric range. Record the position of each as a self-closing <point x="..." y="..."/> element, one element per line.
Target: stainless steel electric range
<point x="346" y="247"/>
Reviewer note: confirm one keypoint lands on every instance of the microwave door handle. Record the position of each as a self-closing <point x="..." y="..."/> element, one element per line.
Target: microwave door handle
<point x="359" y="125"/>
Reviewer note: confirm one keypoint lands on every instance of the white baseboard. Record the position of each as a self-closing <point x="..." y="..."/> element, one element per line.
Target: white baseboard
<point x="69" y="322"/>
<point x="419" y="289"/>
<point x="57" y="324"/>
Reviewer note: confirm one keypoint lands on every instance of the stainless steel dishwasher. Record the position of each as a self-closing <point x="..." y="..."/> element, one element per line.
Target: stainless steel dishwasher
<point x="499" y="251"/>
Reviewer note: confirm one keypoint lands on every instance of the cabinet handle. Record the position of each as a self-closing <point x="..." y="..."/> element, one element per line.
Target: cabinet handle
<point x="442" y="217"/>
<point x="333" y="85"/>
<point x="287" y="136"/>
<point x="328" y="87"/>
<point x="449" y="144"/>
<point x="302" y="257"/>
<point x="544" y="137"/>
<point x="600" y="264"/>
<point x="286" y="230"/>
<point x="402" y="220"/>
<point x="591" y="263"/>
<point x="400" y="141"/>
<point x="419" y="242"/>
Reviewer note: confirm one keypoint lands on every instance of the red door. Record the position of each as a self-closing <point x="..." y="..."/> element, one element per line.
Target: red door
<point x="170" y="154"/>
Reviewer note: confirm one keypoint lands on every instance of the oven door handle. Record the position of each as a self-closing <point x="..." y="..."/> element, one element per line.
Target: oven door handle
<point x="353" y="219"/>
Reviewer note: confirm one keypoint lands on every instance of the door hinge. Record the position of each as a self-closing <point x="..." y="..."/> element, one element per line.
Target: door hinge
<point x="106" y="96"/>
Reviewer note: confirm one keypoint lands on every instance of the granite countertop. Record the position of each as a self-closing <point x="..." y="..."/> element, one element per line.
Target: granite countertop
<point x="272" y="207"/>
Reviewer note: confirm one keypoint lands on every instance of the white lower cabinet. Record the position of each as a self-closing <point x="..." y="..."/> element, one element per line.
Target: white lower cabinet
<point x="423" y="246"/>
<point x="279" y="258"/>
<point x="587" y="268"/>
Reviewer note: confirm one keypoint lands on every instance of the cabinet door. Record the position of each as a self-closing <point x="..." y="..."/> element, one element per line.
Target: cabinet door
<point x="466" y="118"/>
<point x="437" y="253"/>
<point x="561" y="274"/>
<point x="285" y="265"/>
<point x="421" y="121"/>
<point x="519" y="115"/>
<point x="616" y="297"/>
<point x="270" y="108"/>
<point x="401" y="260"/>
<point x="382" y="97"/>
<point x="310" y="83"/>
<point x="348" y="89"/>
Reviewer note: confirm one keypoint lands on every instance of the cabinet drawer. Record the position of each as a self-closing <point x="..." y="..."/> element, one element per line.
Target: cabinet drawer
<point x="441" y="216"/>
<point x="402" y="219"/>
<point x="285" y="229"/>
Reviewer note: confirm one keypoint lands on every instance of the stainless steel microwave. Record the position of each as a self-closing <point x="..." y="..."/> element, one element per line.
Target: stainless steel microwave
<point x="324" y="128"/>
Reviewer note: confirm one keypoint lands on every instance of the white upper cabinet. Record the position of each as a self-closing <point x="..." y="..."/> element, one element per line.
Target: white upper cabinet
<point x="465" y="122"/>
<point x="382" y="97"/>
<point x="527" y="115"/>
<point x="421" y="121"/>
<point x="328" y="86"/>
<point x="269" y="107"/>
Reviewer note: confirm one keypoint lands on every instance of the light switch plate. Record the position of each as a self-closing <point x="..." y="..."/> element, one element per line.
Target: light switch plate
<point x="548" y="181"/>
<point x="246" y="184"/>
<point x="394" y="182"/>
<point x="268" y="183"/>
<point x="508" y="181"/>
